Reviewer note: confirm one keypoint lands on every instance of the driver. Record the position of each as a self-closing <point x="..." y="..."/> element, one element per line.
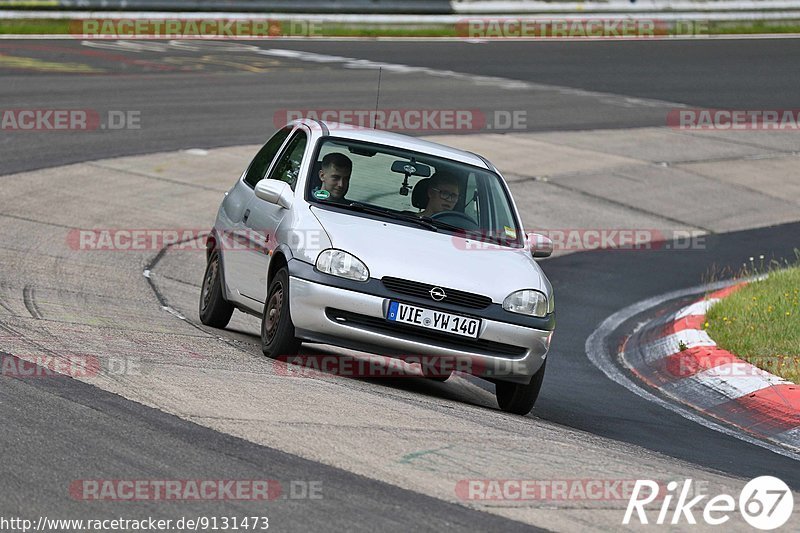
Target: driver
<point x="443" y="192"/>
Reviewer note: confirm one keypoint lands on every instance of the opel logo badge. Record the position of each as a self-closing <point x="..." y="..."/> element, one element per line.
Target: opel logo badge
<point x="438" y="294"/>
<point x="410" y="169"/>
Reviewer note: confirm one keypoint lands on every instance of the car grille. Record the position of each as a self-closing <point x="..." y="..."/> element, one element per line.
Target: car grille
<point x="422" y="290"/>
<point x="438" y="338"/>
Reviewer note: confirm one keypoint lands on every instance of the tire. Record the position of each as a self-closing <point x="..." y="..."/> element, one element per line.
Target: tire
<point x="441" y="378"/>
<point x="277" y="330"/>
<point x="214" y="310"/>
<point x="518" y="398"/>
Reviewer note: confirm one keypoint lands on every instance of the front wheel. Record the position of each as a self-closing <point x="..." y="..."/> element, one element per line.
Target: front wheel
<point x="277" y="330"/>
<point x="518" y="398"/>
<point x="215" y="311"/>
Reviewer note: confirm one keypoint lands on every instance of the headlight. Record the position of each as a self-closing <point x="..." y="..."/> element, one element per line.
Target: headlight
<point x="527" y="302"/>
<point x="342" y="264"/>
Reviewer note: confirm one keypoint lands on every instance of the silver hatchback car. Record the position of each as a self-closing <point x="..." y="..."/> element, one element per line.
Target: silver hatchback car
<point x="387" y="244"/>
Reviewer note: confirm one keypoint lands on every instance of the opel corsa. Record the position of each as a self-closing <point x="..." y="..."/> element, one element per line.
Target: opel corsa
<point x="387" y="244"/>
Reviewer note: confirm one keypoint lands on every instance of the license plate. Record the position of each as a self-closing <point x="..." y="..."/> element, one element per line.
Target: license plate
<point x="436" y="320"/>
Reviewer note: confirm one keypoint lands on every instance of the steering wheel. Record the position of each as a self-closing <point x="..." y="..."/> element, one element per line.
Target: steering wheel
<point x="456" y="218"/>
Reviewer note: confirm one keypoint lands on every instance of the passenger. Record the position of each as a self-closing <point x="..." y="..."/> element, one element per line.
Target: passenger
<point x="334" y="176"/>
<point x="443" y="193"/>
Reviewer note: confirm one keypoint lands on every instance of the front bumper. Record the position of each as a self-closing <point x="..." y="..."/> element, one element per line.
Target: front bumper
<point x="329" y="314"/>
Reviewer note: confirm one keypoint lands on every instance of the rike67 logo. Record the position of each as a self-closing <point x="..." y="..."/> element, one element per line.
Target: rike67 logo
<point x="765" y="503"/>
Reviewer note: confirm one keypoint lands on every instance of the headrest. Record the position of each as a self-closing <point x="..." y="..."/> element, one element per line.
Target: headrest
<point x="419" y="195"/>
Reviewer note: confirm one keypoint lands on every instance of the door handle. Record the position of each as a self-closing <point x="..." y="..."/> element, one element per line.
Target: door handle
<point x="246" y="215"/>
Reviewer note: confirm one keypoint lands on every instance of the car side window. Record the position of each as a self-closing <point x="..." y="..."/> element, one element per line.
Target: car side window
<point x="264" y="157"/>
<point x="288" y="166"/>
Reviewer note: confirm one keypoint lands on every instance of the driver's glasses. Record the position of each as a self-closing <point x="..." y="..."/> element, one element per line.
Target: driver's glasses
<point x="447" y="196"/>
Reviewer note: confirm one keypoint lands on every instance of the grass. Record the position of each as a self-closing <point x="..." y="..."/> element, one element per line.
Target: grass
<point x="67" y="27"/>
<point x="34" y="26"/>
<point x="63" y="27"/>
<point x="760" y="323"/>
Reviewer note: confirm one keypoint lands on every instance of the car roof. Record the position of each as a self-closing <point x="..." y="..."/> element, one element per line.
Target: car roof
<point x="397" y="140"/>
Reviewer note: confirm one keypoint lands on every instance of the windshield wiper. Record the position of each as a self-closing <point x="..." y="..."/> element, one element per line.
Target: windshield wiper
<point x="445" y="225"/>
<point x="355" y="206"/>
<point x="469" y="234"/>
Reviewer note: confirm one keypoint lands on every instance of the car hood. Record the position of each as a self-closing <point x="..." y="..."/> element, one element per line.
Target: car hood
<point x="437" y="258"/>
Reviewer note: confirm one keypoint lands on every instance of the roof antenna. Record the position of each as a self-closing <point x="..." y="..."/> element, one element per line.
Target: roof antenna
<point x="378" y="97"/>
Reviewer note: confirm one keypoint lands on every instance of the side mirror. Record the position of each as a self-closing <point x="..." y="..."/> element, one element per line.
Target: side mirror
<point x="541" y="245"/>
<point x="275" y="192"/>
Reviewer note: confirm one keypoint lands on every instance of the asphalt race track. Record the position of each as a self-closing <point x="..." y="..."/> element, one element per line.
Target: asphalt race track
<point x="224" y="415"/>
<point x="203" y="98"/>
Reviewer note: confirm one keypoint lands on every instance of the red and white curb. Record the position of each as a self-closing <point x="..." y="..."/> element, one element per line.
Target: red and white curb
<point x="709" y="379"/>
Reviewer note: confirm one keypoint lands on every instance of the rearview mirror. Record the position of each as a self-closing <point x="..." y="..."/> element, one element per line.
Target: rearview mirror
<point x="541" y="245"/>
<point x="411" y="168"/>
<point x="275" y="192"/>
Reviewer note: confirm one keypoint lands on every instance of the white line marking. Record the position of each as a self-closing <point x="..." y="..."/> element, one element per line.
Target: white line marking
<point x="697" y="308"/>
<point x="604" y="360"/>
<point x="693" y="338"/>
<point x="793" y="435"/>
<point x="355" y="63"/>
<point x="735" y="380"/>
<point x="173" y="312"/>
<point x="670" y="344"/>
<point x="505" y="83"/>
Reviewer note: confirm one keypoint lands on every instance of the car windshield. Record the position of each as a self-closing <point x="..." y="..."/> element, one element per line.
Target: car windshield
<point x="412" y="188"/>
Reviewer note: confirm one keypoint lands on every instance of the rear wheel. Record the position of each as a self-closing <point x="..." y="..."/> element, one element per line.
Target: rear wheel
<point x="215" y="311"/>
<point x="518" y="398"/>
<point x="277" y="330"/>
